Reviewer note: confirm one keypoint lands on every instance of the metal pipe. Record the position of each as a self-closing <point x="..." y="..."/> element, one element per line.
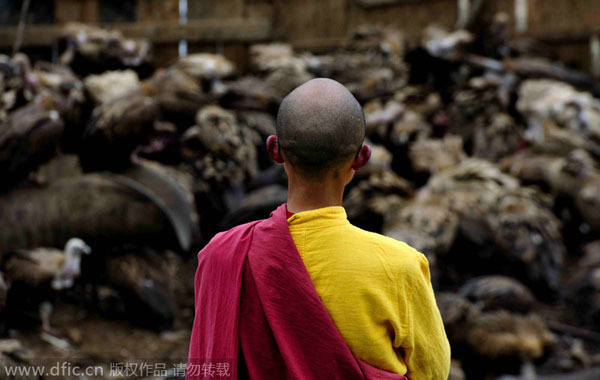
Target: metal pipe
<point x="521" y="15"/>
<point x="21" y="27"/>
<point x="183" y="45"/>
<point x="464" y="10"/>
<point x="595" y="54"/>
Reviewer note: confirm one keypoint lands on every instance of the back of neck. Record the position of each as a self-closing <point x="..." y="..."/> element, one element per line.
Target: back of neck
<point x="304" y="196"/>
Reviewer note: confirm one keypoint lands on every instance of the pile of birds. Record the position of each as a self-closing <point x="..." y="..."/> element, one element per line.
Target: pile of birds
<point x="486" y="158"/>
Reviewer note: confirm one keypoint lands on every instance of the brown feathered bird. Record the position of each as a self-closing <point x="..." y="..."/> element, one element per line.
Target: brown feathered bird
<point x="282" y="70"/>
<point x="542" y="100"/>
<point x="205" y="66"/>
<point x="582" y="288"/>
<point x="498" y="292"/>
<point x="524" y="229"/>
<point x="250" y="93"/>
<point x="140" y="204"/>
<point x="429" y="228"/>
<point x="114" y="131"/>
<point x="436" y="223"/>
<point x="30" y="136"/>
<point x="90" y="49"/>
<point x="518" y="222"/>
<point x="179" y="95"/>
<point x="374" y="195"/>
<point x="371" y="67"/>
<point x="68" y="93"/>
<point x="575" y="176"/>
<point x="498" y="139"/>
<point x="219" y="149"/>
<point x="145" y="282"/>
<point x="432" y="156"/>
<point x="379" y="117"/>
<point x="35" y="275"/>
<point x="491" y="342"/>
<point x="111" y="85"/>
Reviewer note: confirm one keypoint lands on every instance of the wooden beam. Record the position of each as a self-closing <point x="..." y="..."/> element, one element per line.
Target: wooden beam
<point x="225" y="30"/>
<point x="150" y="11"/>
<point x="561" y="37"/>
<point x="317" y="45"/>
<point x="75" y="10"/>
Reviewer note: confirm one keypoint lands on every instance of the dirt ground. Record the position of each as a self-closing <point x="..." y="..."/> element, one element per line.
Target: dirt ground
<point x="86" y="339"/>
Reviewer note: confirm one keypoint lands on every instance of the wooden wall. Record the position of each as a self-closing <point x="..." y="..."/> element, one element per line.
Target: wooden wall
<point x="229" y="26"/>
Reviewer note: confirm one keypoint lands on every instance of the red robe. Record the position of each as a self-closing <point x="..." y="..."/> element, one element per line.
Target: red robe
<point x="253" y="292"/>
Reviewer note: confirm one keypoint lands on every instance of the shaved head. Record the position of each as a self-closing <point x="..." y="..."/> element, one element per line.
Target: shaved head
<point x="320" y="126"/>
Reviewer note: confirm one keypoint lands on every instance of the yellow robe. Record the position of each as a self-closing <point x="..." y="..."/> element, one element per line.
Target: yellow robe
<point x="378" y="292"/>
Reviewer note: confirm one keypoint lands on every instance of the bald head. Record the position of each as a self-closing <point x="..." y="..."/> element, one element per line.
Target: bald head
<point x="320" y="126"/>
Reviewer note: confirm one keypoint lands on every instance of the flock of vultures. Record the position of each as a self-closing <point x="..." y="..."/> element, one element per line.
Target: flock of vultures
<point x="114" y="173"/>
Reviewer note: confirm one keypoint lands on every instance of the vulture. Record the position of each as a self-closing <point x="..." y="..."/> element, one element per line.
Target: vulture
<point x="111" y="85"/>
<point x="282" y="70"/>
<point x="502" y="137"/>
<point x="379" y="117"/>
<point x="542" y="100"/>
<point x="495" y="341"/>
<point x="205" y="66"/>
<point x="179" y="96"/>
<point x="89" y="49"/>
<point x="372" y="65"/>
<point x="264" y="124"/>
<point x="503" y="228"/>
<point x="525" y="231"/>
<point x="218" y="149"/>
<point x="456" y="371"/>
<point x="30" y="136"/>
<point x="257" y="204"/>
<point x="62" y="85"/>
<point x="431" y="229"/>
<point x="474" y="107"/>
<point x="114" y="131"/>
<point x="498" y="292"/>
<point x="147" y="203"/>
<point x="582" y="289"/>
<point x="143" y="280"/>
<point x="373" y="195"/>
<point x="436" y="223"/>
<point x="575" y="176"/>
<point x="250" y="93"/>
<point x="34" y="275"/>
<point x="434" y="155"/>
<point x="266" y="57"/>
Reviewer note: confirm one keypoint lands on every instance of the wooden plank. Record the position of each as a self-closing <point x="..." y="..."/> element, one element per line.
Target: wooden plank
<point x="165" y="54"/>
<point x="202" y="30"/>
<point x="158" y="10"/>
<point x="380" y="3"/>
<point x="574" y="54"/>
<point x="411" y="17"/>
<point x="317" y="45"/>
<point x="309" y="19"/>
<point x="75" y="10"/>
<point x="258" y="8"/>
<point x="210" y="9"/>
<point x="226" y="30"/>
<point x="549" y="17"/>
<point x="117" y="11"/>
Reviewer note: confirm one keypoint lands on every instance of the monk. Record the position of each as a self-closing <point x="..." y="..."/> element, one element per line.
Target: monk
<point x="304" y="294"/>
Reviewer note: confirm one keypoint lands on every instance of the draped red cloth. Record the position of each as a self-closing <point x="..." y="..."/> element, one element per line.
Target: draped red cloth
<point x="253" y="292"/>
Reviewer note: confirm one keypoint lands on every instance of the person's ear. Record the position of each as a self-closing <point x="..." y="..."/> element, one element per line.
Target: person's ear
<point x="362" y="157"/>
<point x="273" y="149"/>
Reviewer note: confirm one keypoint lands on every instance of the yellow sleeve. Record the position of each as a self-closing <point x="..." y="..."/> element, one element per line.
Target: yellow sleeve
<point x="426" y="347"/>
